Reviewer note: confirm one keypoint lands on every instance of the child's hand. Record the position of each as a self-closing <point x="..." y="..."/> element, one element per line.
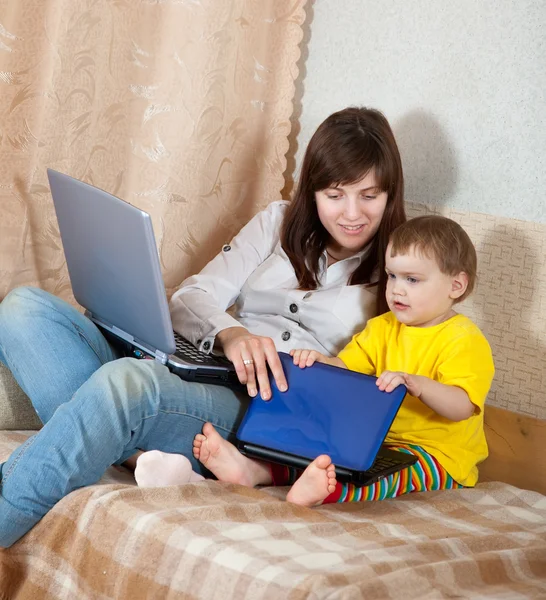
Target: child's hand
<point x="390" y="380"/>
<point x="306" y="358"/>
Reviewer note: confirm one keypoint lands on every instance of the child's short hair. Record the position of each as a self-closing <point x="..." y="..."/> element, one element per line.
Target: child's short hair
<point x="441" y="239"/>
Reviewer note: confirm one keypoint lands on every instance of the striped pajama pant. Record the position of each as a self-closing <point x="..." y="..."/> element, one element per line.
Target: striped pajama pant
<point x="425" y="475"/>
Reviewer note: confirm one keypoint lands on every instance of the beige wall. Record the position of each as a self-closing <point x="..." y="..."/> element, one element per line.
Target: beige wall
<point x="463" y="85"/>
<point x="509" y="304"/>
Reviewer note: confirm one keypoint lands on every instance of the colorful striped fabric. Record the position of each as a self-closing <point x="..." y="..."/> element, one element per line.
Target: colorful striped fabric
<point x="425" y="474"/>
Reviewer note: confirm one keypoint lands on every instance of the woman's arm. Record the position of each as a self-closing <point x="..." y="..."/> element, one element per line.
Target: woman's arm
<point x="198" y="308"/>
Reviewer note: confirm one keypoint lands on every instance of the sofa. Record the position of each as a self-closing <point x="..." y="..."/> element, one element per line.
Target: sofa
<point x="216" y="540"/>
<point x="16" y="411"/>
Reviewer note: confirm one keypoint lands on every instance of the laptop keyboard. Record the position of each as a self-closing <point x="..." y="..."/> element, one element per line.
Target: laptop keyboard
<point x="382" y="463"/>
<point x="188" y="352"/>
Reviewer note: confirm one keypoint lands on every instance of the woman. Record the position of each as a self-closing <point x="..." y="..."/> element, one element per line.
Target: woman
<point x="309" y="273"/>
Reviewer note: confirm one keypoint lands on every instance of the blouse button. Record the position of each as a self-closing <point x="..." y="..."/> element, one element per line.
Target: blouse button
<point x="226" y="248"/>
<point x="285" y="336"/>
<point x="293" y="308"/>
<point x="206" y="346"/>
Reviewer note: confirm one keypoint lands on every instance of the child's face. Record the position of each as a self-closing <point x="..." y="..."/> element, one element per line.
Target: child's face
<point x="418" y="293"/>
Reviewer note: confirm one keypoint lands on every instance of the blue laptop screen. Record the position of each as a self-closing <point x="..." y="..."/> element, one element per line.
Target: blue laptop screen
<point x="326" y="410"/>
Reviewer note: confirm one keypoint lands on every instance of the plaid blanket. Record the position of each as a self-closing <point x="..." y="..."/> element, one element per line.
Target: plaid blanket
<point x="214" y="540"/>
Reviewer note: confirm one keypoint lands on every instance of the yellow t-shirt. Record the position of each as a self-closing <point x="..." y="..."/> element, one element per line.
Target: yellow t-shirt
<point x="454" y="352"/>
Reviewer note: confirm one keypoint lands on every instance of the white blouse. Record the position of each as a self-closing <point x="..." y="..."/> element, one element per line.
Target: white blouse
<point x="253" y="279"/>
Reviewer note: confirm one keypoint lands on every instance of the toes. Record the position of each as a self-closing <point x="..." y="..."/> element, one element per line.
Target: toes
<point x="323" y="461"/>
<point x="208" y="429"/>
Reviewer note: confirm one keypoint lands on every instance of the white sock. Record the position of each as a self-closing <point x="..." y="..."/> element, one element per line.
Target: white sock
<point x="159" y="469"/>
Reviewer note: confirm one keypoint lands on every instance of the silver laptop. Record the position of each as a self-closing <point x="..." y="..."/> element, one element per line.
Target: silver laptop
<point x="115" y="273"/>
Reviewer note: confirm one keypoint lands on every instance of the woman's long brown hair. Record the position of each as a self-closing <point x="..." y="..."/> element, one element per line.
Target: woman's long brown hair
<point x="345" y="147"/>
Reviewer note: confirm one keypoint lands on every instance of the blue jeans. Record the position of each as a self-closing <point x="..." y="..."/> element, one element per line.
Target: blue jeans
<point x="97" y="408"/>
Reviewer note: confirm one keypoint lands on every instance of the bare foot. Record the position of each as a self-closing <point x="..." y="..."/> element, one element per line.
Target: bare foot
<point x="226" y="462"/>
<point x="315" y="484"/>
<point x="159" y="469"/>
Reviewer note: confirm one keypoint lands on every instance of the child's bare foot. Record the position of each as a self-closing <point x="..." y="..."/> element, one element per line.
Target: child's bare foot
<point x="226" y="462"/>
<point x="316" y="483"/>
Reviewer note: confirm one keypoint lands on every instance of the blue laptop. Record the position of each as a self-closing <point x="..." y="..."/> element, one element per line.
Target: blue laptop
<point x="326" y="410"/>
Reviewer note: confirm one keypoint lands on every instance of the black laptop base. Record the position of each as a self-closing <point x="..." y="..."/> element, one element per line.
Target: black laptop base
<point x="198" y="366"/>
<point x="192" y="364"/>
<point x="386" y="462"/>
<point x="210" y="375"/>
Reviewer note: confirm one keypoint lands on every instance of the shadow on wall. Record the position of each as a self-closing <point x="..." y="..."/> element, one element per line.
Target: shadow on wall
<point x="428" y="157"/>
<point x="507" y="307"/>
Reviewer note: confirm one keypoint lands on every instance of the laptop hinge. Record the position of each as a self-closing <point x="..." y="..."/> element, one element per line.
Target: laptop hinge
<point x="161" y="357"/>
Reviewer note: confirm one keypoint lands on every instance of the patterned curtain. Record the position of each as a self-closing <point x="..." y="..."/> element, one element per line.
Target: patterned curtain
<point x="180" y="107"/>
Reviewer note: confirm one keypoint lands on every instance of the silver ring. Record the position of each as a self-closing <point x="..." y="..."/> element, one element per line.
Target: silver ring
<point x="248" y="361"/>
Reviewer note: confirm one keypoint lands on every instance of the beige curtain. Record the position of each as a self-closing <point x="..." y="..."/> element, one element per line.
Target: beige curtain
<point x="181" y="107"/>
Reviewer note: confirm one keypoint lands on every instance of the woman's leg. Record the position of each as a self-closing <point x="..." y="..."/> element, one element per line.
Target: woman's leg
<point x="125" y="405"/>
<point x="50" y="347"/>
<point x="158" y="469"/>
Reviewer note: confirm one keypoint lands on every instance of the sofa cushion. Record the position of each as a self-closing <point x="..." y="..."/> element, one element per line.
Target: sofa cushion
<point x="16" y="411"/>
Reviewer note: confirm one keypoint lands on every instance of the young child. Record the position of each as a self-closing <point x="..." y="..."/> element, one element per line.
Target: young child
<point x="441" y="356"/>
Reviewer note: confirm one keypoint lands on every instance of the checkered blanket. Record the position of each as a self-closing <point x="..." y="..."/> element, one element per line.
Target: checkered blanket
<point x="214" y="540"/>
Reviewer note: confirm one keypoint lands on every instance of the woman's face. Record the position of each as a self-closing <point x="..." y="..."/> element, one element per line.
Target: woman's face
<point x="351" y="214"/>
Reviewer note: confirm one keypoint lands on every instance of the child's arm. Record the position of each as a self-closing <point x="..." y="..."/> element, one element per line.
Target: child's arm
<point x="306" y="358"/>
<point x="449" y="401"/>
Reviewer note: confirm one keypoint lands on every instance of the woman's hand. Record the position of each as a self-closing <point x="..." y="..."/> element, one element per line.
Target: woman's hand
<point x="306" y="358"/>
<point x="250" y="355"/>
<point x="390" y="380"/>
